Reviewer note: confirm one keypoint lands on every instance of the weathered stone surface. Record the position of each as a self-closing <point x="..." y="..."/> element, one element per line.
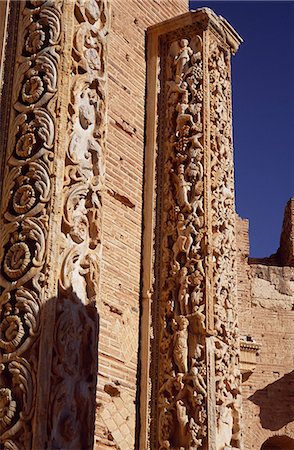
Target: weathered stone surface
<point x="195" y="378"/>
<point x="266" y="316"/>
<point x="51" y="223"/>
<point x="285" y="252"/>
<point x="78" y="277"/>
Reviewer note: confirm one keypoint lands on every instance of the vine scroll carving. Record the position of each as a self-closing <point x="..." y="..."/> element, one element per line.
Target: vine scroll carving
<point x="75" y="338"/>
<point x="49" y="276"/>
<point x="25" y="214"/>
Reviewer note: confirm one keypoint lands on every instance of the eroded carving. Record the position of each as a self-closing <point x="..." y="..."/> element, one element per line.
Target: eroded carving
<point x="84" y="170"/>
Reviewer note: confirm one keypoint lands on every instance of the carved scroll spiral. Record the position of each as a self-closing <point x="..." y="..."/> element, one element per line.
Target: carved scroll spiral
<point x="224" y="271"/>
<point x="182" y="368"/>
<point x="73" y="382"/>
<point x="25" y="214"/>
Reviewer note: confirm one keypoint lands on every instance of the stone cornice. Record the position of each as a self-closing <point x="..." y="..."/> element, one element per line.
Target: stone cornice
<point x="205" y="18"/>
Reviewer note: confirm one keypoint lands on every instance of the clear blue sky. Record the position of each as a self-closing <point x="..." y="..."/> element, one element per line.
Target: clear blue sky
<point x="263" y="114"/>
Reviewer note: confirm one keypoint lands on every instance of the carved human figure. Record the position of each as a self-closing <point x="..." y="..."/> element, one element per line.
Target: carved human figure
<point x="183" y="421"/>
<point x="80" y="224"/>
<point x="184" y="118"/>
<point x="182" y="58"/>
<point x="183" y="294"/>
<point x="183" y="187"/>
<point x="199" y="316"/>
<point x="185" y="232"/>
<point x="197" y="206"/>
<point x="85" y="151"/>
<point x="197" y="381"/>
<point x="196" y="62"/>
<point x="180" y="347"/>
<point x="224" y="427"/>
<point x="187" y="433"/>
<point x="219" y="318"/>
<point x="196" y="297"/>
<point x="196" y="110"/>
<point x="192" y="82"/>
<point x="195" y="348"/>
<point x="194" y="139"/>
<point x="195" y="168"/>
<point x="197" y="263"/>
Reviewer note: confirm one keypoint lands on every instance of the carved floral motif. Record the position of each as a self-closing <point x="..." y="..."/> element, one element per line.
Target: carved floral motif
<point x="25" y="223"/>
<point x="25" y="215"/>
<point x="74" y="364"/>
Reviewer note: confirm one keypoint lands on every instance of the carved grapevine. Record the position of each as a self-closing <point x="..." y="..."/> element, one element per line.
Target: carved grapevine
<point x="227" y="372"/>
<point x="196" y="347"/>
<point x="182" y="387"/>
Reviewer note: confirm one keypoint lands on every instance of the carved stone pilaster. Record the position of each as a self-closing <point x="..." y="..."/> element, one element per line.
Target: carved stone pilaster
<point x="75" y="350"/>
<point x="195" y="376"/>
<point x="50" y="222"/>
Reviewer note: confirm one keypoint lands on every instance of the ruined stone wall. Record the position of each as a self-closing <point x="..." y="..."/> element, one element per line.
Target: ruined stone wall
<point x="266" y="298"/>
<point x="122" y="223"/>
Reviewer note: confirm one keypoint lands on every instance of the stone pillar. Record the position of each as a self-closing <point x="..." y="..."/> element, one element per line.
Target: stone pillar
<point x="194" y="401"/>
<point x="53" y="178"/>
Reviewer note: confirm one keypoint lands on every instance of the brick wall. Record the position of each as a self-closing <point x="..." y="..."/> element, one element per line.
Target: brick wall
<point x="265" y="304"/>
<point x="266" y="315"/>
<point x="122" y="222"/>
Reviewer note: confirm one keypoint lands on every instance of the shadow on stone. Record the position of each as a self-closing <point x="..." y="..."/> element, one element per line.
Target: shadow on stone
<point x="48" y="376"/>
<point x="74" y="373"/>
<point x="278" y="443"/>
<point x="276" y="403"/>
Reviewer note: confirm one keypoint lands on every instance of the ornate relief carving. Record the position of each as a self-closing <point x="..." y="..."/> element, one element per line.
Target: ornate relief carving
<point x="74" y="369"/>
<point x="84" y="170"/>
<point x="195" y="349"/>
<point x="74" y="373"/>
<point x="227" y="376"/>
<point x="182" y="368"/>
<point x="25" y="214"/>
